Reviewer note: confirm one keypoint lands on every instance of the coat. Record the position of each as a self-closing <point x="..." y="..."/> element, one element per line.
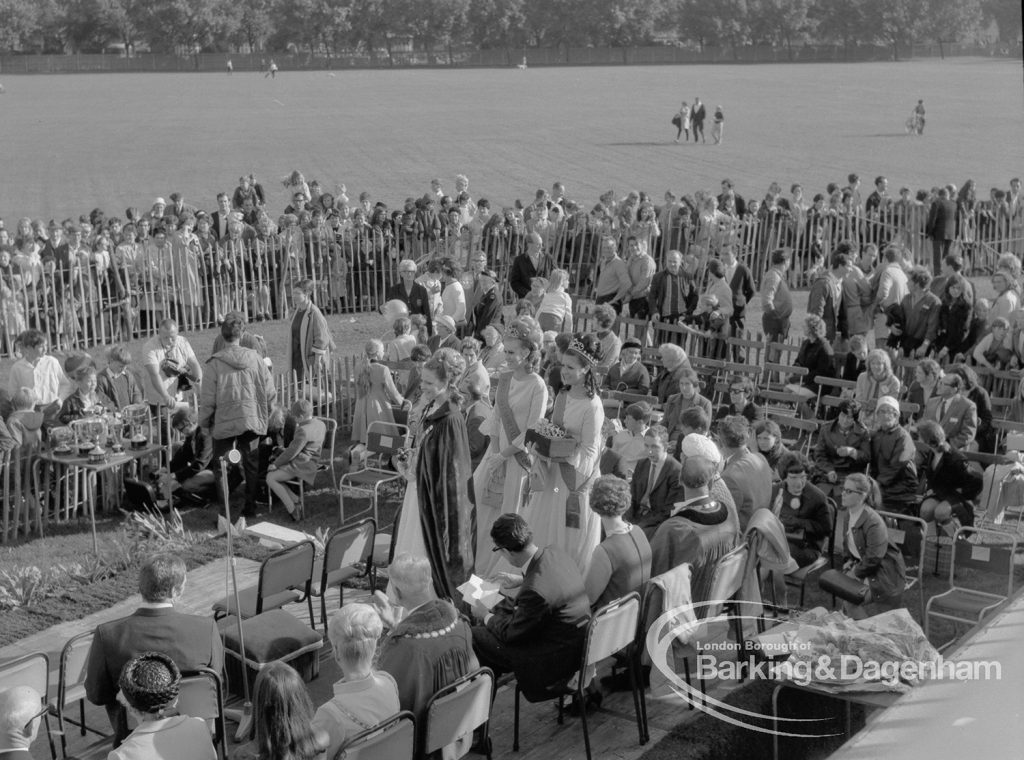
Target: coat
<point x="443" y="482"/>
<point x="662" y="497"/>
<point x="893" y="457"/>
<point x="237" y="393"/>
<point x="825" y="301"/>
<point x="941" y="224"/>
<point x="417" y="300"/>
<point x="313" y="338"/>
<point x="881" y="564"/>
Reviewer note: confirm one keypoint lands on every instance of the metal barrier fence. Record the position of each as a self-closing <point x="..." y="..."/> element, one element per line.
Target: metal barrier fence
<point x="94" y="299"/>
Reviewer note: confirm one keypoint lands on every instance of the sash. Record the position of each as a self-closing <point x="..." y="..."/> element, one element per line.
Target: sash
<point x="570" y="475"/>
<point x="508" y="419"/>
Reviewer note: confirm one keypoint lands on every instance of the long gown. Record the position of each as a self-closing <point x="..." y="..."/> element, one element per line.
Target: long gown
<point x="437" y="520"/>
<point x="526" y="401"/>
<point x="560" y="512"/>
<point x="374" y="405"/>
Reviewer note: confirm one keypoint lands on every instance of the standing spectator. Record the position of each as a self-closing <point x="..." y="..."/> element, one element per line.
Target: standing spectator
<point x="453" y="295"/>
<point x="1007" y="297"/>
<point x="235" y="401"/>
<point x="697" y="115"/>
<point x="955" y="313"/>
<point x="941" y="226"/>
<point x="375" y="392"/>
<point x="825" y="298"/>
<point x="415" y="296"/>
<point x="168" y="365"/>
<point x="890" y="291"/>
<point x="920" y="310"/>
<point x="555" y="310"/>
<point x="672" y="295"/>
<point x="952" y="266"/>
<point x="533" y="262"/>
<point x="640" y="267"/>
<point x="815" y="355"/>
<point x="38" y="371"/>
<point x="746" y="473"/>
<point x="741" y="283"/>
<point x="190" y="640"/>
<point x="613" y="282"/>
<point x="775" y="299"/>
<point x="310" y="341"/>
<point x="604" y="316"/>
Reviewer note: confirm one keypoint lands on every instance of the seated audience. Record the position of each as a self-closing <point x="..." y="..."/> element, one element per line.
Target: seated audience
<point x="769" y="443"/>
<point x="950" y="482"/>
<point x="877" y="381"/>
<point x="892" y="461"/>
<point x="673" y="363"/>
<point x="994" y="350"/>
<point x="741" y="401"/>
<point x="927" y="375"/>
<point x="540" y="634"/>
<point x="957" y="415"/>
<point x="654" y="487"/>
<point x="687" y="398"/>
<point x="493" y="352"/>
<point x="364" y="696"/>
<point x="554" y="311"/>
<point x="980" y="327"/>
<point x="21" y="712"/>
<point x="746" y="473"/>
<point x="282" y="726"/>
<point x="629" y="443"/>
<point x="190" y="640"/>
<point x="698" y="531"/>
<point x="427" y="648"/>
<point x="803" y="512"/>
<point x="116" y="381"/>
<point x="870" y="556"/>
<point x="856" y="361"/>
<point x="622" y="561"/>
<point x="24" y="424"/>
<point x="194" y="481"/>
<point x="843" y="446"/>
<point x="629" y="374"/>
<point x="815" y="355"/>
<point x="301" y="459"/>
<point x="149" y="685"/>
<point x="604" y="316"/>
<point x="973" y="390"/>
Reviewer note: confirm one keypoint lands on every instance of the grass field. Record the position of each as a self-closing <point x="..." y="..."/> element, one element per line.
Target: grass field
<point x="75" y="142"/>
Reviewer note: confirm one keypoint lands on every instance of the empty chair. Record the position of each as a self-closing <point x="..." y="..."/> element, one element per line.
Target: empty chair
<point x="908" y="533"/>
<point x="383" y="441"/>
<point x="392" y="739"/>
<point x="201" y="695"/>
<point x="348" y="553"/>
<point x="71" y="687"/>
<point x="456" y="711"/>
<point x="285" y="577"/>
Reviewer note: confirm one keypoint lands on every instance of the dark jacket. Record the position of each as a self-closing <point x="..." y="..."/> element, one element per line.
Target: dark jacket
<point x="664" y="494"/>
<point x="881" y="564"/>
<point x="830" y="438"/>
<point x="941" y="223"/>
<point x="417" y="300"/>
<point x="811" y="517"/>
<point x="742" y="286"/>
<point x="824" y="301"/>
<point x="952" y="479"/>
<point x="818" y="359"/>
<point x="192" y="457"/>
<point x="522" y="271"/>
<point x="892" y="463"/>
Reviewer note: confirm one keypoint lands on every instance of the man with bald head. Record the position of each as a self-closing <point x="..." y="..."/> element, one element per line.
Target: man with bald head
<point x="532" y="262"/>
<point x="21" y="709"/>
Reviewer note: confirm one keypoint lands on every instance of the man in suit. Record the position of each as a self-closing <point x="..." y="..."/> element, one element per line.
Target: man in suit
<point x="411" y="293"/>
<point x="727" y="191"/>
<point x="191" y="641"/>
<point x="747" y="474"/>
<point x="540" y="634"/>
<point x="920" y="310"/>
<point x="532" y="262"/>
<point x="956" y="414"/>
<point x="655" y="482"/>
<point x="952" y="263"/>
<point x="220" y="217"/>
<point x="697" y="115"/>
<point x="941" y="226"/>
<point x="21" y="710"/>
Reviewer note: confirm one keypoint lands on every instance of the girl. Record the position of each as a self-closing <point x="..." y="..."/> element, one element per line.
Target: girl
<point x="555" y="309"/>
<point x="558" y="510"/>
<point x="282" y="726"/>
<point x="375" y="392"/>
<point x="520" y="401"/>
<point x="927" y="374"/>
<point x="437" y="514"/>
<point x="815" y="355"/>
<point x="877" y="381"/>
<point x="300" y="459"/>
<point x="475" y="372"/>
<point x="401" y="347"/>
<point x="954" y="320"/>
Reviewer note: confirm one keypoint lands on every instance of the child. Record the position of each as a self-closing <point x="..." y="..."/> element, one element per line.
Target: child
<point x="86" y="400"/>
<point x="538" y="287"/>
<point x="555" y="309"/>
<point x="994" y="350"/>
<point x="629" y="444"/>
<point x="25" y="423"/>
<point x="418" y="328"/>
<point x="37" y="371"/>
<point x="116" y="381"/>
<point x="403" y="343"/>
<point x="711" y="324"/>
<point x="300" y="459"/>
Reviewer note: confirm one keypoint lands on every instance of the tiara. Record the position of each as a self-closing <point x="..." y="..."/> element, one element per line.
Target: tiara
<point x="577" y="347"/>
<point x="514" y="332"/>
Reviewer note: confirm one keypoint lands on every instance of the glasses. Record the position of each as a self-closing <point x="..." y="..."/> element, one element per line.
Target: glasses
<point x="852" y="490"/>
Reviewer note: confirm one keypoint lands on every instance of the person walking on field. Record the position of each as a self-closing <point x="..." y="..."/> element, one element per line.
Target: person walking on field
<point x="682" y="122"/>
<point x="231" y="67"/>
<point x="697" y="116"/>
<point x="716" y="130"/>
<point x="272" y="71"/>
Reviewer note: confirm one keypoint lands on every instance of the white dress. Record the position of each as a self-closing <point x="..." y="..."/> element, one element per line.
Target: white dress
<point x="551" y="516"/>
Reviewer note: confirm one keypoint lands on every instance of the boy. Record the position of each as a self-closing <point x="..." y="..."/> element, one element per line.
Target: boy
<point x="629" y="443"/>
<point x="300" y="459"/>
<point x="37" y="371"/>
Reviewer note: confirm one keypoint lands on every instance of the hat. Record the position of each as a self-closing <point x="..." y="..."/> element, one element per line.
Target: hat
<point x="888" y="401"/>
<point x="159" y="202"/>
<point x="631" y="343"/>
<point x="150" y="682"/>
<point x="75" y="362"/>
<point x="447" y="321"/>
<point x="697" y="445"/>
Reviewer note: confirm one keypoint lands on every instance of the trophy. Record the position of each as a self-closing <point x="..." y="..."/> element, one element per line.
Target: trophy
<point x="136" y="417"/>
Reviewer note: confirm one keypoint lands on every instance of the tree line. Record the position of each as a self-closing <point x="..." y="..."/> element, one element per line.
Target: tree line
<point x="346" y="27"/>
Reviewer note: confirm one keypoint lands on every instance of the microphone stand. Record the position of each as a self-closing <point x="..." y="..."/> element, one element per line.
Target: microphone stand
<point x="244" y="716"/>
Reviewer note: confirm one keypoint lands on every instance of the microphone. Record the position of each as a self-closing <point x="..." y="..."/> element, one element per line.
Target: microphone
<point x="234" y="456"/>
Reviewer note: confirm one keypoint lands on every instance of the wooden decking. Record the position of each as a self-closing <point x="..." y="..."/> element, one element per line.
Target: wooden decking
<point x="612" y="728"/>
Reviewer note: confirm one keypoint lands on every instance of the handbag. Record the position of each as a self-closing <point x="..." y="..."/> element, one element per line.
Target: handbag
<point x="842" y="585"/>
<point x="677" y="121"/>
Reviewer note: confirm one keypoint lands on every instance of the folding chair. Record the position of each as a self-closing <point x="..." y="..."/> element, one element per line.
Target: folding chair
<point x="910" y="534"/>
<point x="71" y="687"/>
<point x="383" y="441"/>
<point x="804" y="430"/>
<point x="799" y="577"/>
<point x="781" y="402"/>
<point x="611" y="629"/>
<point x="753" y="371"/>
<point x="747" y="351"/>
<point x="1001" y="407"/>
<point x="1005" y="382"/>
<point x="348" y="553"/>
<point x="904" y="368"/>
<point x="392" y="739"/>
<point x="31" y="670"/>
<point x="961" y="604"/>
<point x="326" y="463"/>
<point x="455" y="712"/>
<point x="782" y="372"/>
<point x="835" y="387"/>
<point x="1005" y="428"/>
<point x="201" y="695"/>
<point x="285" y="577"/>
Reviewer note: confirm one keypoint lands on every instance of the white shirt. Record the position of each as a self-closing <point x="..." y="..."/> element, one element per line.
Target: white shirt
<point x="153" y="353"/>
<point x="46" y="378"/>
<point x="453" y="301"/>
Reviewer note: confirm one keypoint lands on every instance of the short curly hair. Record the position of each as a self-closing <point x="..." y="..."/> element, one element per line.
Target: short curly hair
<point x="604" y="315"/>
<point x="150" y="682"/>
<point x="610" y="496"/>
